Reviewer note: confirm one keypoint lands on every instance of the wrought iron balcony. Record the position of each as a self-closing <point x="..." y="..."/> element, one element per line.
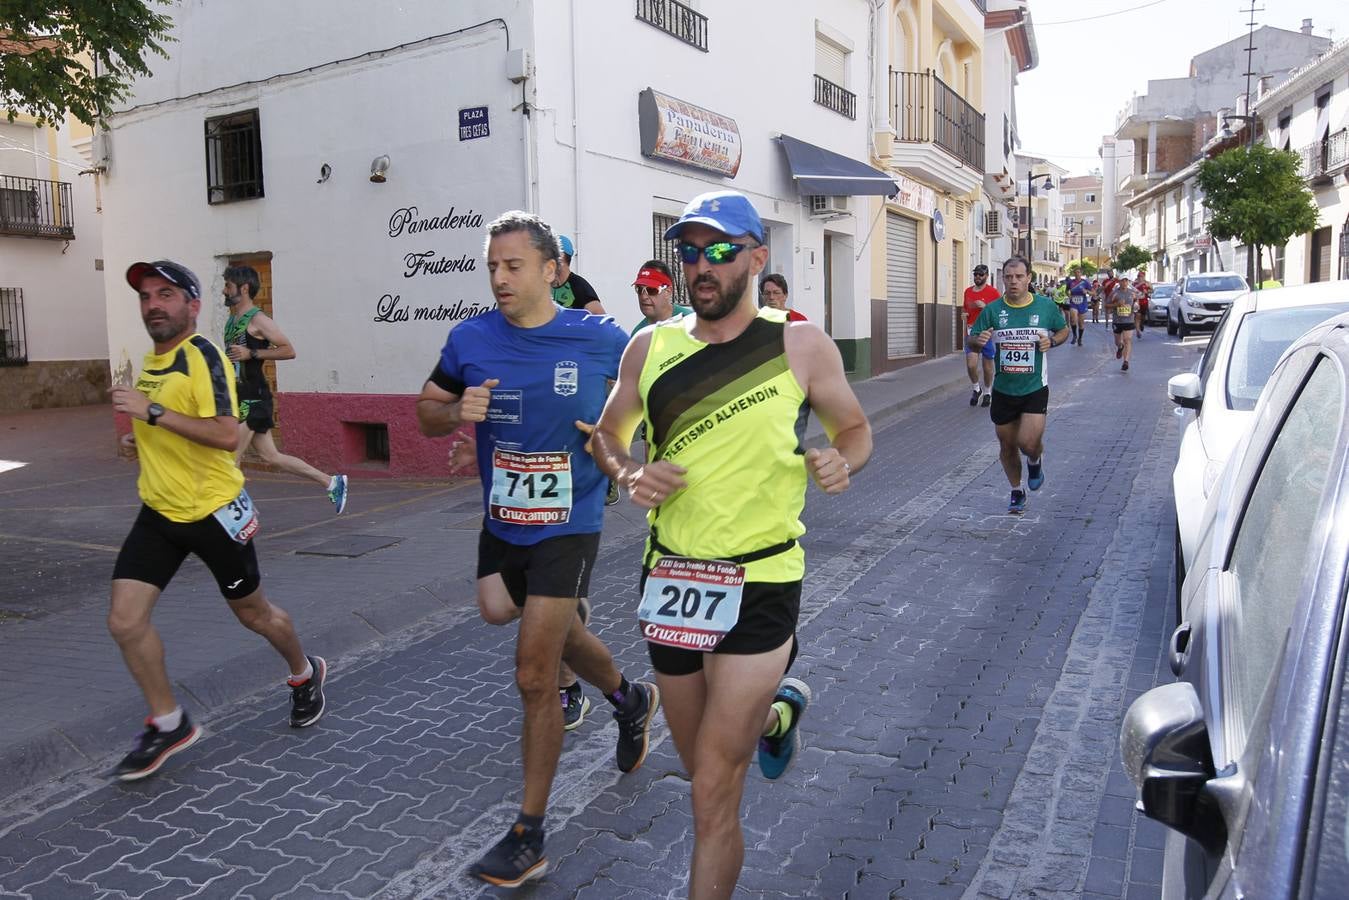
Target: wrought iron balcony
<point x="1325" y="157"/>
<point x="13" y="331"/>
<point x="925" y="109"/>
<point x="33" y="207"/>
<point x="839" y="99"/>
<point x="676" y="19"/>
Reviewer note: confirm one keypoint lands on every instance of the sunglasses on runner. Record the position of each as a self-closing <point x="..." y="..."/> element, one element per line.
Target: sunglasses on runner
<point x="717" y="254"/>
<point x="643" y="290"/>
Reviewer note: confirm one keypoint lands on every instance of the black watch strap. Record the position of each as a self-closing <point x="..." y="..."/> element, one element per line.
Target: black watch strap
<point x="153" y="413"/>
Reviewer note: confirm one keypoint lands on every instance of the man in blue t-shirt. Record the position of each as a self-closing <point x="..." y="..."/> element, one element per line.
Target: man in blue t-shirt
<point x="526" y="373"/>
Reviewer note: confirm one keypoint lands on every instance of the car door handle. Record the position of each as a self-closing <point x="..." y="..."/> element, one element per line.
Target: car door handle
<point x="1180" y="648"/>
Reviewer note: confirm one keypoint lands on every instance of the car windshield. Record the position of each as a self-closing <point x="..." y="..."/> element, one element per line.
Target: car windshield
<point x="1163" y="290"/>
<point x="1215" y="283"/>
<point x="1260" y="341"/>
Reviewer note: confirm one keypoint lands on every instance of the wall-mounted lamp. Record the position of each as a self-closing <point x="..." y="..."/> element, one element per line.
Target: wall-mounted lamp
<point x="325" y="172"/>
<point x="378" y="167"/>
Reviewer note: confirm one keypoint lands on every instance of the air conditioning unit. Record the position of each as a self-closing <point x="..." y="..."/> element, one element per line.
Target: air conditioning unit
<point x="993" y="223"/>
<point x="102" y="148"/>
<point x="824" y="205"/>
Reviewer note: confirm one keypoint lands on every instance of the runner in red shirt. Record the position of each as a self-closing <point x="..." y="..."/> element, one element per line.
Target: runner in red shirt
<point x="1144" y="289"/>
<point x="976" y="298"/>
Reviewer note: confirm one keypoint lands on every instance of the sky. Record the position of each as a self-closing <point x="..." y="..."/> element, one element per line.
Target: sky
<point x="1070" y="100"/>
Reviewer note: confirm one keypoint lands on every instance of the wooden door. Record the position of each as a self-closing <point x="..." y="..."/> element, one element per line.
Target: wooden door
<point x="262" y="264"/>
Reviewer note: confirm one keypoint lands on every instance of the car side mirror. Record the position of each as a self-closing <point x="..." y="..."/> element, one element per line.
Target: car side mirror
<point x="1164" y="745"/>
<point x="1185" y="390"/>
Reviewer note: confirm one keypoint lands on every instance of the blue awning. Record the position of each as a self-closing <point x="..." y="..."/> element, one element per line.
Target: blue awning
<point x="820" y="171"/>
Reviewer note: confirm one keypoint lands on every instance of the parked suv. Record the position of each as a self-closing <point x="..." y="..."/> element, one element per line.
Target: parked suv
<point x="1201" y="299"/>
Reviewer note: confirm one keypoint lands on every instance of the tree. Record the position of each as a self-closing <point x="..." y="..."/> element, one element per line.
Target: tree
<point x="1087" y="266"/>
<point x="1256" y="195"/>
<point x="1131" y="258"/>
<point x="77" y="56"/>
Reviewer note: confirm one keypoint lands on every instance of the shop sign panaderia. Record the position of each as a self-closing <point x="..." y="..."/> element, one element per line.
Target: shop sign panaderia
<point x="682" y="133"/>
<point x="915" y="196"/>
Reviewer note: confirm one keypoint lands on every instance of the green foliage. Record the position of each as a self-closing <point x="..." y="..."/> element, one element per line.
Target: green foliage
<point x="45" y="68"/>
<point x="1131" y="258"/>
<point x="1087" y="266"/>
<point x="1257" y="195"/>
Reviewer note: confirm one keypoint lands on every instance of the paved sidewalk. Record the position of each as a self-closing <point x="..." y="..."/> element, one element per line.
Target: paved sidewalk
<point x="403" y="552"/>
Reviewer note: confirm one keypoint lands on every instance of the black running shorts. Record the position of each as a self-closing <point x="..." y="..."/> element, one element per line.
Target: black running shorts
<point x="157" y="546"/>
<point x="1121" y="327"/>
<point x="257" y="414"/>
<point x="1007" y="408"/>
<point x="768" y="614"/>
<point x="554" y="567"/>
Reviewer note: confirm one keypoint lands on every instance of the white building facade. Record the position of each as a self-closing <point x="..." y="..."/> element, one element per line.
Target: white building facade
<point x="1009" y="50"/>
<point x="605" y="118"/>
<point x="53" y="334"/>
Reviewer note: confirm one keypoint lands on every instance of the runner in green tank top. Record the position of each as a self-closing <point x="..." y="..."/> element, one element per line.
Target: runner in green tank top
<point x="725" y="395"/>
<point x="1024" y="327"/>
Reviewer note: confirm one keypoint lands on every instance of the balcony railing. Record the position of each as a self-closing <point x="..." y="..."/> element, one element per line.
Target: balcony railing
<point x="831" y="96"/>
<point x="925" y="109"/>
<point x="1048" y="256"/>
<point x="674" y="18"/>
<point x="32" y="207"/>
<point x="1326" y="156"/>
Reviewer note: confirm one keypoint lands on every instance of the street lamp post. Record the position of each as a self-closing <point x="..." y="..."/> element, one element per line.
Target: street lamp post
<point x="1030" y="212"/>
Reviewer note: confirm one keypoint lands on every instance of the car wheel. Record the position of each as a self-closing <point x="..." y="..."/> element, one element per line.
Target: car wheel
<point x="1179" y="570"/>
<point x="1182" y="329"/>
<point x="1170" y="325"/>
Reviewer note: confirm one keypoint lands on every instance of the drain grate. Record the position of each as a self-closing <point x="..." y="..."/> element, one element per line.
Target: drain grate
<point x="350" y="545"/>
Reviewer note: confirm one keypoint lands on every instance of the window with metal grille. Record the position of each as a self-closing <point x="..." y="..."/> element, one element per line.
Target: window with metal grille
<point x="13" y="332"/>
<point x="664" y="251"/>
<point x="993" y="222"/>
<point x="233" y="157"/>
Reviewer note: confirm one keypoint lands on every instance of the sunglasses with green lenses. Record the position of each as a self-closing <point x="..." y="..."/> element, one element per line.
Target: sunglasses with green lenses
<point x="716" y="254"/>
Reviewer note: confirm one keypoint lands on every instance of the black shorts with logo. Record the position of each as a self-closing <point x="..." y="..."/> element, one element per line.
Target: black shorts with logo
<point x="257" y="414"/>
<point x="768" y="616"/>
<point x="157" y="546"/>
<point x="1007" y="408"/>
<point x="554" y="567"/>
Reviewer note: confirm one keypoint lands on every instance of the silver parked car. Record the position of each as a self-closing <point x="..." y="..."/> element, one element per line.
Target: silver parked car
<point x="1162" y="293"/>
<point x="1246" y="756"/>
<point x="1201" y="299"/>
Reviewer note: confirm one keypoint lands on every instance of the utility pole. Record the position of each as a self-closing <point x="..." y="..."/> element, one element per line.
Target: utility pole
<point x="1252" y="264"/>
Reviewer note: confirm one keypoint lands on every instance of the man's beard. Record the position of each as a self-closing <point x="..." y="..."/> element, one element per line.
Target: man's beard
<point x="167" y="327"/>
<point x="727" y="299"/>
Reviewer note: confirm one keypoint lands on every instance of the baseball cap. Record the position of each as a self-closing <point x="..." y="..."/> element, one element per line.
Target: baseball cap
<point x="566" y="245"/>
<point x="172" y="272"/>
<point x="981" y="269"/>
<point x="654" y="278"/>
<point x="729" y="212"/>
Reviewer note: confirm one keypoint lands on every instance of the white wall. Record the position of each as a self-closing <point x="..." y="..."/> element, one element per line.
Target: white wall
<point x="335" y="265"/>
<point x="759" y="71"/>
<point x="62" y="290"/>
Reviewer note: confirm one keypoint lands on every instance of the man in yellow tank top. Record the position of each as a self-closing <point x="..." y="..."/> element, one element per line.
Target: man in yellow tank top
<point x="725" y="395"/>
<point x="184" y="414"/>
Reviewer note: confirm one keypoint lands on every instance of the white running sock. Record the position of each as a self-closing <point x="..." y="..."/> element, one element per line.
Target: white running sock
<point x="168" y="721"/>
<point x="302" y="677"/>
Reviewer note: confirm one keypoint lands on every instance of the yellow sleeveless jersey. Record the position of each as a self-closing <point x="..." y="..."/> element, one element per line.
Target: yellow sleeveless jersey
<point x="734" y="416"/>
<point x="182" y="480"/>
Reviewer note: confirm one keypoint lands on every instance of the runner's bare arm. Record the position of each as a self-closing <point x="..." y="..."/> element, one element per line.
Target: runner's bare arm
<point x="440" y="412"/>
<point x="816" y="362"/>
<point x="281" y="346"/>
<point x="1053" y="339"/>
<point x="218" y="432"/>
<point x="594" y="307"/>
<point x="613" y="435"/>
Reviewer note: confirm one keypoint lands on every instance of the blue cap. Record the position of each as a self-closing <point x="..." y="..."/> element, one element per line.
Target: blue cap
<point x="176" y="274"/>
<point x="566" y="245"/>
<point x="729" y="212"/>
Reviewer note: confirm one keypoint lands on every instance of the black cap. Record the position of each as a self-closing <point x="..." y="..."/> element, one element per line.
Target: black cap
<point x="172" y="272"/>
<point x="981" y="269"/>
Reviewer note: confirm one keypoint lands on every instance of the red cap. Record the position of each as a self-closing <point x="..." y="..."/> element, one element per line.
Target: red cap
<point x="653" y="278"/>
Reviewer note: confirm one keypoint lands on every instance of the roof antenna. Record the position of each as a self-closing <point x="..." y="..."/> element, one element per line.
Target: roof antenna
<point x="1250" y="55"/>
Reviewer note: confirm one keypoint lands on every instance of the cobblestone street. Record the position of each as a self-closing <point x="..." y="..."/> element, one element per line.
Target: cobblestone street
<point x="969" y="668"/>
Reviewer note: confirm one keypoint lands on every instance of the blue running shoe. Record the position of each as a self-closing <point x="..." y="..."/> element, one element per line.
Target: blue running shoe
<point x="1035" y="475"/>
<point x="1017" y="505"/>
<point x="777" y="753"/>
<point x="338" y="494"/>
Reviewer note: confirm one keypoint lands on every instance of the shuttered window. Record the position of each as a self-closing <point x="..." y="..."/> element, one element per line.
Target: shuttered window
<point x="901" y="286"/>
<point x="831" y="61"/>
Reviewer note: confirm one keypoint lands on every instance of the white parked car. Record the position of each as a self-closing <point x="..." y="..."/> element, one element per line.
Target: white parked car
<point x="1201" y="299"/>
<point x="1257" y="328"/>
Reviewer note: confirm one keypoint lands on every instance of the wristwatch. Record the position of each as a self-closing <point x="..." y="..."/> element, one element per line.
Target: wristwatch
<point x="152" y="414"/>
